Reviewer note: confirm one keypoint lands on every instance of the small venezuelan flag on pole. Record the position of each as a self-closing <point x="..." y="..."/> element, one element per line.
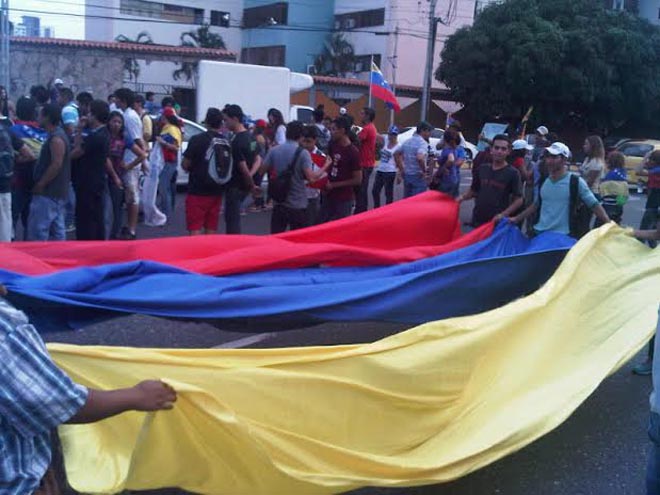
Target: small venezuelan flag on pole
<point x="381" y="89"/>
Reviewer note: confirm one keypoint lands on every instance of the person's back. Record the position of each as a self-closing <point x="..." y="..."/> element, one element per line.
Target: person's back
<point x="200" y="182"/>
<point x="58" y="188"/>
<point x="279" y="159"/>
<point x="409" y="152"/>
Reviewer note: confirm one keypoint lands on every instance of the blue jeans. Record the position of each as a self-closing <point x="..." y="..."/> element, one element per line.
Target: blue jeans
<point x="234" y="197"/>
<point x="20" y="208"/>
<point x="165" y="189"/>
<point x="46" y="220"/>
<point x="653" y="468"/>
<point x="332" y="209"/>
<point x="70" y="213"/>
<point x="413" y="185"/>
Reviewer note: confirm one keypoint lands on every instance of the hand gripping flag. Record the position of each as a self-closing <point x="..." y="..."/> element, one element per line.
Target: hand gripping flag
<point x="381" y="89"/>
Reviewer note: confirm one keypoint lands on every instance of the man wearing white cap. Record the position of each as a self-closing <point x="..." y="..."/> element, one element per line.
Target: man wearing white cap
<point x="55" y="90"/>
<point x="560" y="196"/>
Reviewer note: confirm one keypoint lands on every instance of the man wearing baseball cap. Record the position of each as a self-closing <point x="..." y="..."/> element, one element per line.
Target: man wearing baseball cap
<point x="555" y="202"/>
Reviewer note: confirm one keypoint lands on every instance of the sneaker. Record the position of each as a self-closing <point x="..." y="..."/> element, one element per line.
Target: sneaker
<point x="643" y="369"/>
<point x="126" y="235"/>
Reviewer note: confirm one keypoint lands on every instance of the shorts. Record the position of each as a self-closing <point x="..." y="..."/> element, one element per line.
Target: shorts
<point x="202" y="212"/>
<point x="131" y="181"/>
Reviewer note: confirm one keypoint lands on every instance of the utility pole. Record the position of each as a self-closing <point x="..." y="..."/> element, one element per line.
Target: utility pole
<point x="428" y="70"/>
<point x="4" y="44"/>
<point x="394" y="62"/>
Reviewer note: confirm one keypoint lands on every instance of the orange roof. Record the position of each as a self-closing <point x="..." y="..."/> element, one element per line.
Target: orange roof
<point x="142" y="48"/>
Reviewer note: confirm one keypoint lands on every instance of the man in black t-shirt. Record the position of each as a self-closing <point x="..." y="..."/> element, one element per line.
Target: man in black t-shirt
<point x="246" y="164"/>
<point x="204" y="194"/>
<point x="89" y="172"/>
<point x="496" y="186"/>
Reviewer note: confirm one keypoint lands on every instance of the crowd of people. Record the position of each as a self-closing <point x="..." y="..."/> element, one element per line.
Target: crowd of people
<point x="80" y="160"/>
<point x="77" y="163"/>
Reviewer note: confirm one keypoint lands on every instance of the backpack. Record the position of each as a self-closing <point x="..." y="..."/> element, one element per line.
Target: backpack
<point x="280" y="185"/>
<point x="579" y="216"/>
<point x="6" y="154"/>
<point x="220" y="160"/>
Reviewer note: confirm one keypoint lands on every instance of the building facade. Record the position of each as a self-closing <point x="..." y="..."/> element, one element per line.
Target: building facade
<point x="290" y="34"/>
<point x="164" y="22"/>
<point x="29" y="26"/>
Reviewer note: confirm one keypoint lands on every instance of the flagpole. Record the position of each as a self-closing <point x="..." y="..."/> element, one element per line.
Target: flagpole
<point x="371" y="68"/>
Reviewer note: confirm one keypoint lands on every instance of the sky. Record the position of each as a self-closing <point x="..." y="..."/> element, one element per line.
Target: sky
<point x="60" y="14"/>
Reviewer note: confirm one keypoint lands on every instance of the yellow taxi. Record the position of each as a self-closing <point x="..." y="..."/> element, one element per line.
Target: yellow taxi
<point x="635" y="150"/>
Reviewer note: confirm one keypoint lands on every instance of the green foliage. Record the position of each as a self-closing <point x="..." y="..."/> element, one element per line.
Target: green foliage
<point x="338" y="57"/>
<point x="131" y="65"/>
<point x="202" y="37"/>
<point x="569" y="58"/>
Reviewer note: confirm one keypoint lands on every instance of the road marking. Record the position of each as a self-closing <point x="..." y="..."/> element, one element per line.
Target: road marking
<point x="246" y="341"/>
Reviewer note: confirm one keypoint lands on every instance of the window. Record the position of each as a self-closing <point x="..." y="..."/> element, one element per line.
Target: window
<point x="185" y="15"/>
<point x="364" y="18"/>
<point x="274" y="13"/>
<point x="220" y="19"/>
<point x="141" y="8"/>
<point x="363" y="62"/>
<point x="165" y="11"/>
<point x="636" y="149"/>
<point x="273" y="56"/>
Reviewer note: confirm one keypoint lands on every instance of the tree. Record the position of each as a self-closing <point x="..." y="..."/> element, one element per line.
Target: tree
<point x="338" y="57"/>
<point x="569" y="58"/>
<point x="131" y="65"/>
<point x="202" y="37"/>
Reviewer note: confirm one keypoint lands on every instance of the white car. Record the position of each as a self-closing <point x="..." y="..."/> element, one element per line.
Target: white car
<point x="436" y="135"/>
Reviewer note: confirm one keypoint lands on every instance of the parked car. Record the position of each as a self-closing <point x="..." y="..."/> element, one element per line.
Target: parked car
<point x="635" y="150"/>
<point x="436" y="135"/>
<point x="611" y="143"/>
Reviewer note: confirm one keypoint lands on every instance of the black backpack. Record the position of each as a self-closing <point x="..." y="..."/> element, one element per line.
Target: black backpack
<point x="6" y="154"/>
<point x="220" y="160"/>
<point x="280" y="185"/>
<point x="579" y="216"/>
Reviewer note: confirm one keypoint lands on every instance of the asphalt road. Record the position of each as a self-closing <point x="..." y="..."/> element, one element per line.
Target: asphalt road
<point x="600" y="450"/>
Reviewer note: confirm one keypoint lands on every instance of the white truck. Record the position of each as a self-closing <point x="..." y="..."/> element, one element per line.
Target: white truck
<point x="256" y="88"/>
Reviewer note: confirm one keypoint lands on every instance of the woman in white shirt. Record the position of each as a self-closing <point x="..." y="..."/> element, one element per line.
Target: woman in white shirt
<point x="593" y="167"/>
<point x="277" y="127"/>
<point x="386" y="169"/>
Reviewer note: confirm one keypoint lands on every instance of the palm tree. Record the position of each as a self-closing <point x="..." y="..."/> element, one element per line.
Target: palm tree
<point x="337" y="58"/>
<point x="131" y="65"/>
<point x="202" y="37"/>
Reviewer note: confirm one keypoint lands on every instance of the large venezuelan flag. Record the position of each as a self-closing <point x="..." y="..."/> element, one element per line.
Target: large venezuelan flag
<point x="428" y="405"/>
<point x="408" y="230"/>
<point x="476" y="278"/>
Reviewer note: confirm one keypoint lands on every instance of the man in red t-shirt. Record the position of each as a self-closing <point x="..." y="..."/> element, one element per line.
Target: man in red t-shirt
<point x="343" y="175"/>
<point x="367" y="137"/>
